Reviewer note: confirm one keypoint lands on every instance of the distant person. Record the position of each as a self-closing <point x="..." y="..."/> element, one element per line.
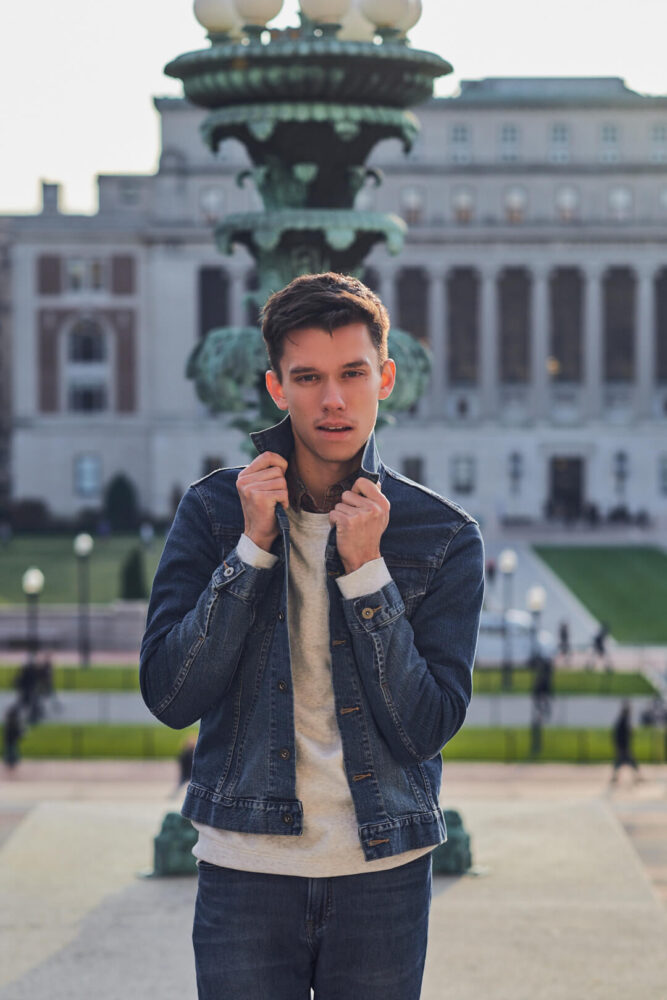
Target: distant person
<point x="28" y="687"/>
<point x="564" y="647"/>
<point x="600" y="647"/>
<point x="185" y="759"/>
<point x="12" y="733"/>
<point x="491" y="571"/>
<point x="622" y="737"/>
<point x="543" y="686"/>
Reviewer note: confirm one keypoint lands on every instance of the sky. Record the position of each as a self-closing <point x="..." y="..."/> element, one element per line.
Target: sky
<point x="77" y="77"/>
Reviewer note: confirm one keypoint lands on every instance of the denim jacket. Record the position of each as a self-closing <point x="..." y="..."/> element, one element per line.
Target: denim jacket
<point x="216" y="648"/>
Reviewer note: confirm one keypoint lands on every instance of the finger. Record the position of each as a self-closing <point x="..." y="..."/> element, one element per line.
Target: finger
<point x="266" y="460"/>
<point x="355" y="500"/>
<point x="366" y="487"/>
<point x="264" y="475"/>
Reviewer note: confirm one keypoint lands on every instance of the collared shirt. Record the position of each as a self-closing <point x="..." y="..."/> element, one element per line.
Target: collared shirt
<point x="301" y="499"/>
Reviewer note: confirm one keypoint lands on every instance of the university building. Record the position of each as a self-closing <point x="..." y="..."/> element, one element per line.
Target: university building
<point x="535" y="268"/>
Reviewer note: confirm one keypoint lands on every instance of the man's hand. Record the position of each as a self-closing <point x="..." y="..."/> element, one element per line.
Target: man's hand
<point x="261" y="486"/>
<point x="361" y="517"/>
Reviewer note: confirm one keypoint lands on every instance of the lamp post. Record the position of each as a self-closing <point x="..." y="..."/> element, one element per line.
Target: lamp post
<point x="83" y="546"/>
<point x="32" y="583"/>
<point x="507" y="562"/>
<point x="536" y="598"/>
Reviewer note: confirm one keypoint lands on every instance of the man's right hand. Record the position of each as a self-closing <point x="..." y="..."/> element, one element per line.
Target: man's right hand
<point x="261" y="486"/>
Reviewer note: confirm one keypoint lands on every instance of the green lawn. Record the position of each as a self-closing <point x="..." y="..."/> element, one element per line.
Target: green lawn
<point x="110" y="677"/>
<point x="53" y="555"/>
<point x="624" y="586"/>
<point x="493" y="744"/>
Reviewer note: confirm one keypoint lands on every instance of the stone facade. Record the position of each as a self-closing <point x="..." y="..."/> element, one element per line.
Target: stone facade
<point x="535" y="268"/>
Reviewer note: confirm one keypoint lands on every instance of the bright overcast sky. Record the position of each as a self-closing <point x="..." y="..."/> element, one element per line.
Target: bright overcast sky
<point x="77" y="77"/>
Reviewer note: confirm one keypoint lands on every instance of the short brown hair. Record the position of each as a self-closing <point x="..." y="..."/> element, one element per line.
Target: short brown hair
<point x="326" y="302"/>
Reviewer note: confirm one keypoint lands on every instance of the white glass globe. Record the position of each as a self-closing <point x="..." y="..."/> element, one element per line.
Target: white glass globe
<point x="83" y="545"/>
<point x="385" y="13"/>
<point x="325" y="11"/>
<point x="411" y="18"/>
<point x="217" y="15"/>
<point x="32" y="581"/>
<point x="258" y="12"/>
<point x="355" y="27"/>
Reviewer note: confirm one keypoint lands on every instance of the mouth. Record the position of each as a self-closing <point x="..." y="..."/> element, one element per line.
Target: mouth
<point x="332" y="428"/>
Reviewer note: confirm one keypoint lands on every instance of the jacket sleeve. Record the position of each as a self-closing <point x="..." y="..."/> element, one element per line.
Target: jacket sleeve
<point x="417" y="675"/>
<point x="199" y="615"/>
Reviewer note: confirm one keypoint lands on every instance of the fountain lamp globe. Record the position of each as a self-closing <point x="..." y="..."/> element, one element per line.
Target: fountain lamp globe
<point x="385" y="13"/>
<point x="257" y="12"/>
<point x="325" y="11"/>
<point x="355" y="27"/>
<point x="413" y="14"/>
<point x="217" y="16"/>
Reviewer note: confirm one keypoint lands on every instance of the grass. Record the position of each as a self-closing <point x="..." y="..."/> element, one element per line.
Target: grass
<point x="110" y="677"/>
<point x="624" y="586"/>
<point x="54" y="556"/>
<point x="52" y="740"/>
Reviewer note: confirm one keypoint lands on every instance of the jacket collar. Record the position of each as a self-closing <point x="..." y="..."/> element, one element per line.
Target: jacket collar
<point x="280" y="438"/>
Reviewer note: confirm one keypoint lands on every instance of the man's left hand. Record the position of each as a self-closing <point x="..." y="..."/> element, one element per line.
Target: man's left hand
<point x="361" y="518"/>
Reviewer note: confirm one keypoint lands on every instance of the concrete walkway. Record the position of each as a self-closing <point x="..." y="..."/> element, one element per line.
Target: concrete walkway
<point x="563" y="906"/>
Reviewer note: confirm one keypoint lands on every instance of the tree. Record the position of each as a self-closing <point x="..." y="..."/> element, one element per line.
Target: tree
<point x="120" y="503"/>
<point x="132" y="577"/>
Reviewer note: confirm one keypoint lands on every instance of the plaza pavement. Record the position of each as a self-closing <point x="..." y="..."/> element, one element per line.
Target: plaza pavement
<point x="568" y="900"/>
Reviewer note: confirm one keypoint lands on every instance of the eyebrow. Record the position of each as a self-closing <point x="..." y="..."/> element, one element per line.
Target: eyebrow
<point x="303" y="369"/>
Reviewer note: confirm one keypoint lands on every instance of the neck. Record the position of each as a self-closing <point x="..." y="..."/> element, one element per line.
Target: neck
<point x="319" y="476"/>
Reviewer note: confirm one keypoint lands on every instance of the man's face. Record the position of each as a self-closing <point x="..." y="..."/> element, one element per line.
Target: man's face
<point x="331" y="384"/>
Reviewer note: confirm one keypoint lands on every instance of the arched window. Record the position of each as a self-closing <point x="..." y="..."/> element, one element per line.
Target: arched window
<point x="86" y="342"/>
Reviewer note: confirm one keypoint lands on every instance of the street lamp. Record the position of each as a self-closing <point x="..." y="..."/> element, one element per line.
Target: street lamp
<point x="32" y="583"/>
<point x="83" y="546"/>
<point x="536" y="598"/>
<point x="507" y="563"/>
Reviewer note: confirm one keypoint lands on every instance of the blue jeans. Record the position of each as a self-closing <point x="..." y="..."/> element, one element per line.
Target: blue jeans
<point x="274" y="937"/>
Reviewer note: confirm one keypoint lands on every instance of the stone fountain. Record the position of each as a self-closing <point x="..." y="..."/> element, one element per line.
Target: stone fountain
<point x="309" y="104"/>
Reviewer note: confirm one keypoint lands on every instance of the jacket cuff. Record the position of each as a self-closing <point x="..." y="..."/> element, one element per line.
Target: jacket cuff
<point x="369" y="578"/>
<point x="253" y="555"/>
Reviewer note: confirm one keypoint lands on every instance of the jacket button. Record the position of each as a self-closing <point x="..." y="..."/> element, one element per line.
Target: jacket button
<point x="287" y="818"/>
<point x="282" y="686"/>
<point x="281" y="616"/>
<point x="367" y="613"/>
<point x="285" y="754"/>
<point x="228" y="571"/>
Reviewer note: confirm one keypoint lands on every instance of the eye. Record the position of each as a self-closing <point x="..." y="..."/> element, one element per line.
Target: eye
<point x="305" y="378"/>
<point x="352" y="373"/>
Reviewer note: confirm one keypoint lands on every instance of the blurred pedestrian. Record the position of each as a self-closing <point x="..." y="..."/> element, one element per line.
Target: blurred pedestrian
<point x="622" y="737"/>
<point x="543" y="686"/>
<point x="12" y="733"/>
<point x="564" y="647"/>
<point x="28" y="685"/>
<point x="185" y="759"/>
<point x="600" y="647"/>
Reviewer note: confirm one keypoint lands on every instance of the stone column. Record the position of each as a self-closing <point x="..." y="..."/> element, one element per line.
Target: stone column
<point x="593" y="374"/>
<point x="437" y="329"/>
<point x="645" y="344"/>
<point x="388" y="292"/>
<point x="237" y="314"/>
<point x="539" y="344"/>
<point x="489" y="347"/>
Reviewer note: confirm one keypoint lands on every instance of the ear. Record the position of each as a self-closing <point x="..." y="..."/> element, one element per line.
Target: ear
<point x="388" y="378"/>
<point x="275" y="389"/>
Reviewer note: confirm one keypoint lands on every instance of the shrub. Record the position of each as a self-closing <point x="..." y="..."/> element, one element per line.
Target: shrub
<point x="132" y="577"/>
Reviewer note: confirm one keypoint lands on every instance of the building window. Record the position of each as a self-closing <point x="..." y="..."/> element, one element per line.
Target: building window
<point x="463" y="325"/>
<point x="463" y="473"/>
<point x="559" y="149"/>
<point x="514" y="335"/>
<point x="659" y="143"/>
<point x="566" y="300"/>
<point x="515" y="204"/>
<point x="88" y="476"/>
<point x="460" y="143"/>
<point x="515" y="472"/>
<point x="509" y="143"/>
<point x="413" y="468"/>
<point x="463" y="203"/>
<point x="662" y="475"/>
<point x="609" y="143"/>
<point x="412" y="302"/>
<point x="213" y="298"/>
<point x="86" y="343"/>
<point x="412" y="205"/>
<point x="85" y="274"/>
<point x="619" y="324"/>
<point x="87" y="398"/>
<point x="660" y="300"/>
<point x="567" y="203"/>
<point x="620" y="203"/>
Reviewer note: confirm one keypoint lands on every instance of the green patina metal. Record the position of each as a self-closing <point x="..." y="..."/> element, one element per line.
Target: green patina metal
<point x="309" y="109"/>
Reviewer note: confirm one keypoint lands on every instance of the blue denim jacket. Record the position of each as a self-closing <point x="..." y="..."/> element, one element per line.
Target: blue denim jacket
<point x="216" y="648"/>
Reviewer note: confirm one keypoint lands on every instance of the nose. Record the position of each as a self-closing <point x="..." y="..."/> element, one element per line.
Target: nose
<point x="332" y="396"/>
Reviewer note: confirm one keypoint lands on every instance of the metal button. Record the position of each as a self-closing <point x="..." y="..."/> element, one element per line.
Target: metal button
<point x="367" y="613"/>
<point x="282" y="686"/>
<point x="287" y="818"/>
<point x="285" y="754"/>
<point x="228" y="571"/>
<point x="281" y="616"/>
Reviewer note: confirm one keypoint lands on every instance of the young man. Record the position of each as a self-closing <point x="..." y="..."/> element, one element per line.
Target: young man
<point x="319" y="613"/>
